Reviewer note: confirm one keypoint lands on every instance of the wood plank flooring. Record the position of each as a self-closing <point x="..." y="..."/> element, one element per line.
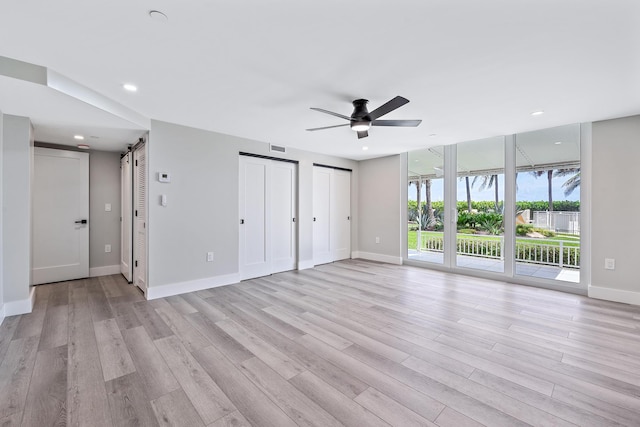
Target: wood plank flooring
<point x="351" y="343"/>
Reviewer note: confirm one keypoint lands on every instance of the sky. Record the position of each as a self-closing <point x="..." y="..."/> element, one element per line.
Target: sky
<point x="530" y="188"/>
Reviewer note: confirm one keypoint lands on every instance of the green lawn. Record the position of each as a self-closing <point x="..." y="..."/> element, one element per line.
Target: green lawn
<point x="574" y="240"/>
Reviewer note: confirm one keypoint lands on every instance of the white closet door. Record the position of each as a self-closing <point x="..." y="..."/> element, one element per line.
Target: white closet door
<point x="322" y="179"/>
<point x="341" y="215"/>
<point x="140" y="218"/>
<point x="283" y="216"/>
<point x="60" y="215"/>
<point x="126" y="235"/>
<point x="255" y="255"/>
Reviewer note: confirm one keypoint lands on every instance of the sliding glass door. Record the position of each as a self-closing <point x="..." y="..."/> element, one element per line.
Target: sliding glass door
<point x="507" y="205"/>
<point x="547" y="225"/>
<point x="480" y="205"/>
<point x="425" y="208"/>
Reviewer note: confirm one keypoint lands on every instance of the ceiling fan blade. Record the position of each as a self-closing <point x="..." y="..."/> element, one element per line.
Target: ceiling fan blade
<point x="396" y="102"/>
<point x="405" y="123"/>
<point x="363" y="134"/>
<point x="342" y="116"/>
<point x="328" y="127"/>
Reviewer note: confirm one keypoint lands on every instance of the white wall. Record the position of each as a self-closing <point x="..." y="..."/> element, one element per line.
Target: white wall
<point x="1" y="242"/>
<point x="202" y="205"/>
<point x="104" y="227"/>
<point x="615" y="208"/>
<point x="17" y="166"/>
<point x="380" y="209"/>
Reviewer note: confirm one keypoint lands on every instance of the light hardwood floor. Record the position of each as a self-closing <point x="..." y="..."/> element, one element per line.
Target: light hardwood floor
<point x="351" y="343"/>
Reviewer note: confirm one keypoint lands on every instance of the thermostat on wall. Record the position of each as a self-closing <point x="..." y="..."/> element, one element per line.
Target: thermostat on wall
<point x="164" y="177"/>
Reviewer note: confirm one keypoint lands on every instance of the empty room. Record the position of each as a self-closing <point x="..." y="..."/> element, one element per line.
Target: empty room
<point x="418" y="213"/>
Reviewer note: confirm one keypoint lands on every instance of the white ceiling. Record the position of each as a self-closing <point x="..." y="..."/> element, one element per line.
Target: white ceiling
<point x="471" y="69"/>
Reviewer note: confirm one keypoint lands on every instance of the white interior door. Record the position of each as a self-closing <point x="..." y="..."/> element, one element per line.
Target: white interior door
<point x="255" y="256"/>
<point x="284" y="252"/>
<point x="140" y="218"/>
<point x="341" y="215"/>
<point x="322" y="178"/>
<point x="60" y="215"/>
<point x="126" y="230"/>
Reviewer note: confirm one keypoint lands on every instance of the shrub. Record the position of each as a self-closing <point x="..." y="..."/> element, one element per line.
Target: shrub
<point x="523" y="229"/>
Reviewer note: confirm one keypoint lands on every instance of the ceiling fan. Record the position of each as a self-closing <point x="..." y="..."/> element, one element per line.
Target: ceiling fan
<point x="361" y="119"/>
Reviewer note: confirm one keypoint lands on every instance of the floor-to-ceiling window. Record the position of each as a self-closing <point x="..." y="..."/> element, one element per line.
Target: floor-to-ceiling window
<point x="480" y="205"/>
<point x="506" y="205"/>
<point x="547" y="224"/>
<point x="425" y="208"/>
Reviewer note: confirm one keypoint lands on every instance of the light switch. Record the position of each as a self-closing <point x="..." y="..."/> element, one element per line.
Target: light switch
<point x="107" y="207"/>
<point x="107" y="248"/>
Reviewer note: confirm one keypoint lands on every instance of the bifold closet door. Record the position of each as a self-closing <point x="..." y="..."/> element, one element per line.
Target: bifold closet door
<point x="331" y="215"/>
<point x="268" y="202"/>
<point x="140" y="218"/>
<point x="126" y="230"/>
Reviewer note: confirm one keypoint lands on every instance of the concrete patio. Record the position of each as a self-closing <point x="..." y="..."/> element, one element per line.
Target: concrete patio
<point x="496" y="265"/>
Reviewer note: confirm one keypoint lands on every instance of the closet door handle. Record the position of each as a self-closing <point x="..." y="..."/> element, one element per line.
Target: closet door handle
<point x="314" y="219"/>
<point x="81" y="221"/>
<point x="242" y="221"/>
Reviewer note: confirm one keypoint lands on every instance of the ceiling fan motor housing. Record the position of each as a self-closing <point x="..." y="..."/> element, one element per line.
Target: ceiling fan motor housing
<point x="360" y="115"/>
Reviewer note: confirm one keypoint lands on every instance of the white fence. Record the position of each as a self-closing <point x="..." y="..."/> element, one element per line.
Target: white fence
<point x="562" y="222"/>
<point x="563" y="254"/>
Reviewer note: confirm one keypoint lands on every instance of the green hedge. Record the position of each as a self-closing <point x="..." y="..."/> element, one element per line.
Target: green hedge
<point x="487" y="206"/>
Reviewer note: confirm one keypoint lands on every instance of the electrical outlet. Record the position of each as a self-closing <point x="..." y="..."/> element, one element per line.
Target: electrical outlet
<point x="609" y="264"/>
<point x="377" y="240"/>
<point x="107" y="248"/>
<point x="209" y="256"/>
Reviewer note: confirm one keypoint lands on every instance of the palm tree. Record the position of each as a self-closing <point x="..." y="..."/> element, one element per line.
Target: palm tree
<point x="431" y="219"/>
<point x="550" y="185"/>
<point x="466" y="180"/>
<point x="573" y="182"/>
<point x="489" y="181"/>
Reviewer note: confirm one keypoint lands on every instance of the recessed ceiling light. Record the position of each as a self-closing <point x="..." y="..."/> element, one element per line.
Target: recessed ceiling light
<point x="433" y="134"/>
<point x="558" y="142"/>
<point x="365" y="148"/>
<point x="537" y="113"/>
<point x="83" y="146"/>
<point x="158" y="16"/>
<point x="80" y="137"/>
<point x="130" y="87"/>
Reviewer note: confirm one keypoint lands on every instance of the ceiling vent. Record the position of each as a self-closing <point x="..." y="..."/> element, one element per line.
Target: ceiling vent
<point x="277" y="148"/>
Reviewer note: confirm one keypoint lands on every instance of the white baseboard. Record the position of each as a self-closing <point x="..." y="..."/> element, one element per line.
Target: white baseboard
<point x="1" y="314"/>
<point x="107" y="270"/>
<point x="304" y="265"/>
<point x="24" y="306"/>
<point x="389" y="259"/>
<point x="155" y="292"/>
<point x="617" y="295"/>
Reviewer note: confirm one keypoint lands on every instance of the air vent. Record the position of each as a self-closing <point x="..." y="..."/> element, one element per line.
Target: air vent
<point x="277" y="148"/>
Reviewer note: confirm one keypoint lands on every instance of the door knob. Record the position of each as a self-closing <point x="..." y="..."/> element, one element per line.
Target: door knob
<point x="81" y="221"/>
<point x="242" y="221"/>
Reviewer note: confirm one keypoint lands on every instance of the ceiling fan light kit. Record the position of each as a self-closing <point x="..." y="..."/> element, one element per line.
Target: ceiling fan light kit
<point x="361" y="119"/>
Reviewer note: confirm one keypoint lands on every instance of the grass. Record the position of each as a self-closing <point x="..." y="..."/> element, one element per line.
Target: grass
<point x="569" y="240"/>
